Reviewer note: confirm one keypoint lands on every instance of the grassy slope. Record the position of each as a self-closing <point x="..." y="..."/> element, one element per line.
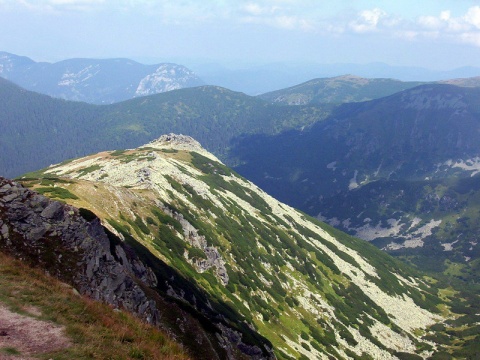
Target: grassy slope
<point x="458" y="334"/>
<point x="241" y="235"/>
<point x="95" y="330"/>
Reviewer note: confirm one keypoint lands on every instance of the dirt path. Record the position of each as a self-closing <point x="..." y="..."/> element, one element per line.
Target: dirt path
<point x="28" y="336"/>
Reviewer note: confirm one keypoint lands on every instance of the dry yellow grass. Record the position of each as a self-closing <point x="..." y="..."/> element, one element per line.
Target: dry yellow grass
<point x="93" y="330"/>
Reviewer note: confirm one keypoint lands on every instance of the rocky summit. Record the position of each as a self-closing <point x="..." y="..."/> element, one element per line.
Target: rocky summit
<point x="276" y="276"/>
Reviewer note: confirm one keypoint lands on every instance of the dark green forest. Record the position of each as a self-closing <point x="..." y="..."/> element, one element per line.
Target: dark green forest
<point x="38" y="130"/>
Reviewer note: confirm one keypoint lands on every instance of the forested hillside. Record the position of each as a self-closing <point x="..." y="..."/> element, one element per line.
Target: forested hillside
<point x="39" y="130"/>
<point x="401" y="171"/>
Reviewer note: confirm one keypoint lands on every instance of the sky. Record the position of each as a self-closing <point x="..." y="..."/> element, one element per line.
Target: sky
<point x="434" y="34"/>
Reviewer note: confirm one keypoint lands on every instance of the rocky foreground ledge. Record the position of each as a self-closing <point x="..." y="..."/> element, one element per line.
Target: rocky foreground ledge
<point x="72" y="245"/>
<point x="55" y="236"/>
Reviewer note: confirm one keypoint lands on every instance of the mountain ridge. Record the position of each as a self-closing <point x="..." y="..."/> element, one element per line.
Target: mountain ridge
<point x="59" y="129"/>
<point x="213" y="224"/>
<point x="338" y="89"/>
<point x="425" y="134"/>
<point x="259" y="79"/>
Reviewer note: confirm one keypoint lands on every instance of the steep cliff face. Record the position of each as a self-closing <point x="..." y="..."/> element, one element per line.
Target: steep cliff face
<point x="73" y="246"/>
<point x="54" y="236"/>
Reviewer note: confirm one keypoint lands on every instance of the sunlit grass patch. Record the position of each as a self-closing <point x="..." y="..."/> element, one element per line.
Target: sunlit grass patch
<point x="95" y="330"/>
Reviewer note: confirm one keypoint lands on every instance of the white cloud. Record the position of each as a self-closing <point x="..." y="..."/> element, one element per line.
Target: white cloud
<point x="441" y="27"/>
<point x="430" y="22"/>
<point x="281" y="22"/>
<point x="445" y="15"/>
<point x="294" y="15"/>
<point x="372" y="17"/>
<point x="275" y="13"/>
<point x="256" y="9"/>
<point x="286" y="22"/>
<point x="473" y="16"/>
<point x="253" y="9"/>
<point x="367" y="20"/>
<point x="463" y="29"/>
<point x="444" y="21"/>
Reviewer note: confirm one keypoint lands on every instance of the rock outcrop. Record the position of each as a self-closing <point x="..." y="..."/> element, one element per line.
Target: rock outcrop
<point x="213" y="258"/>
<point x="55" y="236"/>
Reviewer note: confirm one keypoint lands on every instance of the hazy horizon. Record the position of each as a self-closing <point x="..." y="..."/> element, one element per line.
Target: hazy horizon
<point x="431" y="34"/>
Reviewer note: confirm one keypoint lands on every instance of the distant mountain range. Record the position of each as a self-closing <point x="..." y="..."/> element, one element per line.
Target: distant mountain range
<point x="95" y="81"/>
<point x="259" y="79"/>
<point x="105" y="81"/>
<point x="349" y="88"/>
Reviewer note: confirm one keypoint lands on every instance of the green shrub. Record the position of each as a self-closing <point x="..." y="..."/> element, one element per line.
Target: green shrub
<point x="117" y="152"/>
<point x="89" y="169"/>
<point x="150" y="221"/>
<point x="167" y="220"/>
<point x="305" y="346"/>
<point x="141" y="225"/>
<point x="194" y="252"/>
<point x="56" y="192"/>
<point x="171" y="241"/>
<point x="407" y="356"/>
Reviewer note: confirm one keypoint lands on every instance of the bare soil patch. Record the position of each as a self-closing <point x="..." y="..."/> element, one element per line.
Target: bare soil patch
<point x="28" y="336"/>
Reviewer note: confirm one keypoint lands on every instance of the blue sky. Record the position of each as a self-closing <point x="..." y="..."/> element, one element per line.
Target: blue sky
<point x="436" y="34"/>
